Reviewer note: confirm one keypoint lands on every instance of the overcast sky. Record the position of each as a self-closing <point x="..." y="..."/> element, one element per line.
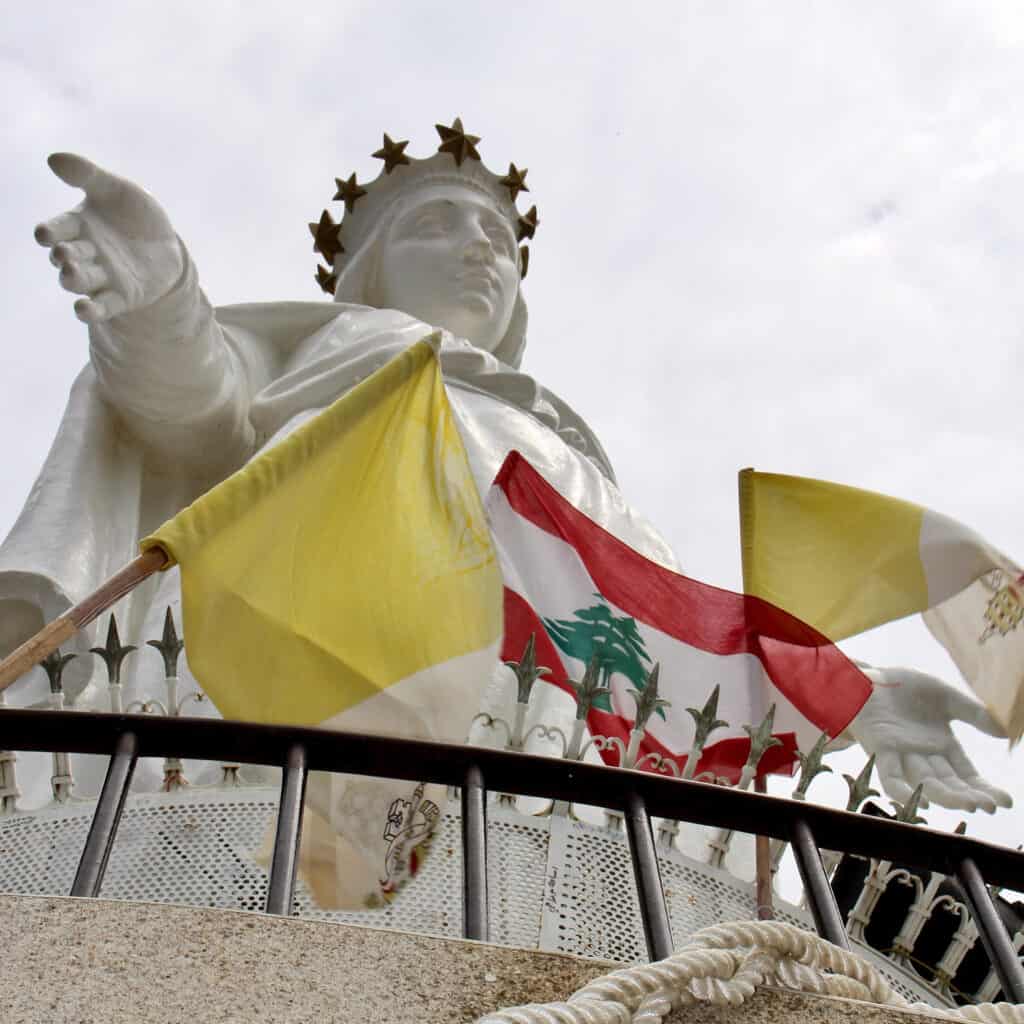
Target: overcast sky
<point x="787" y="236"/>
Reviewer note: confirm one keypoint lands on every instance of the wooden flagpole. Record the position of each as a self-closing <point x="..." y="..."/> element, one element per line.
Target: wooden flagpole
<point x="762" y="844"/>
<point x="763" y="866"/>
<point x="53" y="634"/>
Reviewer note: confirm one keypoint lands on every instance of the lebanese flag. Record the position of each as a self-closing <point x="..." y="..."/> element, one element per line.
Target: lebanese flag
<point x="579" y="590"/>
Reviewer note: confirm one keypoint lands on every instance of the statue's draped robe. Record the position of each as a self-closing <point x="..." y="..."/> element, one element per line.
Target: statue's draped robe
<point x="151" y="424"/>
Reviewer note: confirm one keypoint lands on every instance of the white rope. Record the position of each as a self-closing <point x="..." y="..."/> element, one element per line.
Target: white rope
<point x="992" y="1013"/>
<point x="724" y="965"/>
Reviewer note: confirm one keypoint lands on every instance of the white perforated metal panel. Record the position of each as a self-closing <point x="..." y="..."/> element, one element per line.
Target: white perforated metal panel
<point x="595" y="911"/>
<point x="554" y="883"/>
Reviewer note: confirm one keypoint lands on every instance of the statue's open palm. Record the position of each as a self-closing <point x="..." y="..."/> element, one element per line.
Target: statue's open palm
<point x="906" y="725"/>
<point x="117" y="249"/>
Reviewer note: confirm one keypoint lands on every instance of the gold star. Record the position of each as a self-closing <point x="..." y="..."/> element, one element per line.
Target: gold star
<point x="527" y="224"/>
<point x="392" y="153"/>
<point x="325" y="279"/>
<point x="454" y="140"/>
<point x="350" y="191"/>
<point x="515" y="180"/>
<point x="524" y="261"/>
<point x="325" y="237"/>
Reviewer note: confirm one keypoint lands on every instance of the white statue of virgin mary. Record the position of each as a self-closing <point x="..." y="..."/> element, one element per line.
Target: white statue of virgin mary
<point x="178" y="394"/>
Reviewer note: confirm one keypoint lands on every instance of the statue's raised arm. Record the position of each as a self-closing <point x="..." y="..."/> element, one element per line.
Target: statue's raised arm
<point x="159" y="355"/>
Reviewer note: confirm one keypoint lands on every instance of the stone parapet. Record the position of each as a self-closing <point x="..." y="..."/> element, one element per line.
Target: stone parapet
<point x="69" y="961"/>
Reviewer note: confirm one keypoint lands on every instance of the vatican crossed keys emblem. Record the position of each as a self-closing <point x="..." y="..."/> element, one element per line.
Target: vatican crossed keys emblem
<point x="1005" y="608"/>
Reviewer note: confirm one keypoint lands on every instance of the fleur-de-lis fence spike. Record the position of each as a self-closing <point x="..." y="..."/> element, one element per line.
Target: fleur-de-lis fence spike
<point x="908" y="812"/>
<point x="169" y="646"/>
<point x="811" y="765"/>
<point x="761" y="740"/>
<point x="527" y="670"/>
<point x="860" y="787"/>
<point x="705" y="721"/>
<point x="589" y="689"/>
<point x="61" y="781"/>
<point x="113" y="653"/>
<point x="53" y="665"/>
<point x="647" y="700"/>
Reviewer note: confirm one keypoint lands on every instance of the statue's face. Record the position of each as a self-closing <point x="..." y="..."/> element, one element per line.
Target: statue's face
<point x="451" y="260"/>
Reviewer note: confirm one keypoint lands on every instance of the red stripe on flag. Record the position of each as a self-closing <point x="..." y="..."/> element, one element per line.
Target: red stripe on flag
<point x="724" y="758"/>
<point x="804" y="665"/>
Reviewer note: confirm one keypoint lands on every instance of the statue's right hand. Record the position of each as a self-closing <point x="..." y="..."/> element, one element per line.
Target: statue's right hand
<point x="117" y="249"/>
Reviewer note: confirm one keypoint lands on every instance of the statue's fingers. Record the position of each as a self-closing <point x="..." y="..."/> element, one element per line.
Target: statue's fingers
<point x="999" y="796"/>
<point x="916" y="768"/>
<point x="984" y="722"/>
<point x="964" y="768"/>
<point x="97" y="308"/>
<point x="952" y="797"/>
<point x="891" y="775"/>
<point x="83" y="278"/>
<point x="943" y="786"/>
<point x="65" y="227"/>
<point x="80" y="251"/>
<point x="968" y="710"/>
<point x="81" y="172"/>
<point x="957" y="791"/>
<point x="74" y="170"/>
<point x="917" y="772"/>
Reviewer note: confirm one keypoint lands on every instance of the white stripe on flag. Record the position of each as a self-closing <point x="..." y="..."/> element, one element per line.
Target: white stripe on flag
<point x="550" y="576"/>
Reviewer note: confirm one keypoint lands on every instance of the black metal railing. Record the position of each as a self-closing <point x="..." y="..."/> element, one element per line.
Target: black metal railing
<point x="476" y="770"/>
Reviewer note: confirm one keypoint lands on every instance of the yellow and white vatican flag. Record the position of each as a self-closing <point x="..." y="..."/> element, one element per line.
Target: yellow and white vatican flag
<point x="845" y="560"/>
<point x="346" y="578"/>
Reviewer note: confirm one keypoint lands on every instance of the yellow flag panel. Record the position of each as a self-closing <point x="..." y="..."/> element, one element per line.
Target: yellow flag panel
<point x="348" y="557"/>
<point x="841" y="559"/>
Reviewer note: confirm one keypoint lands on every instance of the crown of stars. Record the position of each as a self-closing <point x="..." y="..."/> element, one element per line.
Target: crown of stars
<point x="515" y="181"/>
<point x="350" y="191"/>
<point x="526" y="226"/>
<point x="392" y="153"/>
<point x="325" y="237"/>
<point x="456" y="141"/>
<point x="325" y="279"/>
<point x="460" y="146"/>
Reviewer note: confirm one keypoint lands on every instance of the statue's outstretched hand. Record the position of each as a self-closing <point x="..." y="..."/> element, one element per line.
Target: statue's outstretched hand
<point x="117" y="249"/>
<point x="906" y="725"/>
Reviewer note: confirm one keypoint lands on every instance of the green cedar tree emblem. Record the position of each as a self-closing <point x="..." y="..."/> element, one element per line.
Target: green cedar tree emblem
<point x="596" y="632"/>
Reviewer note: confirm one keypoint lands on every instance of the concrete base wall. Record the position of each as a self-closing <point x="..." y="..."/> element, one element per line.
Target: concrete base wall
<point x="68" y="961"/>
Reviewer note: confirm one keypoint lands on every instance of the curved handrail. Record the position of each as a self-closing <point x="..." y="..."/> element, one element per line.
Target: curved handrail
<point x="807" y="826"/>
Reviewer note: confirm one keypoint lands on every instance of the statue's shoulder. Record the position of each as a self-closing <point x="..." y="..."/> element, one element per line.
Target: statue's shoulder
<point x="285" y="324"/>
<point x="280" y="323"/>
<point x="484" y="372"/>
<point x="575" y="431"/>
